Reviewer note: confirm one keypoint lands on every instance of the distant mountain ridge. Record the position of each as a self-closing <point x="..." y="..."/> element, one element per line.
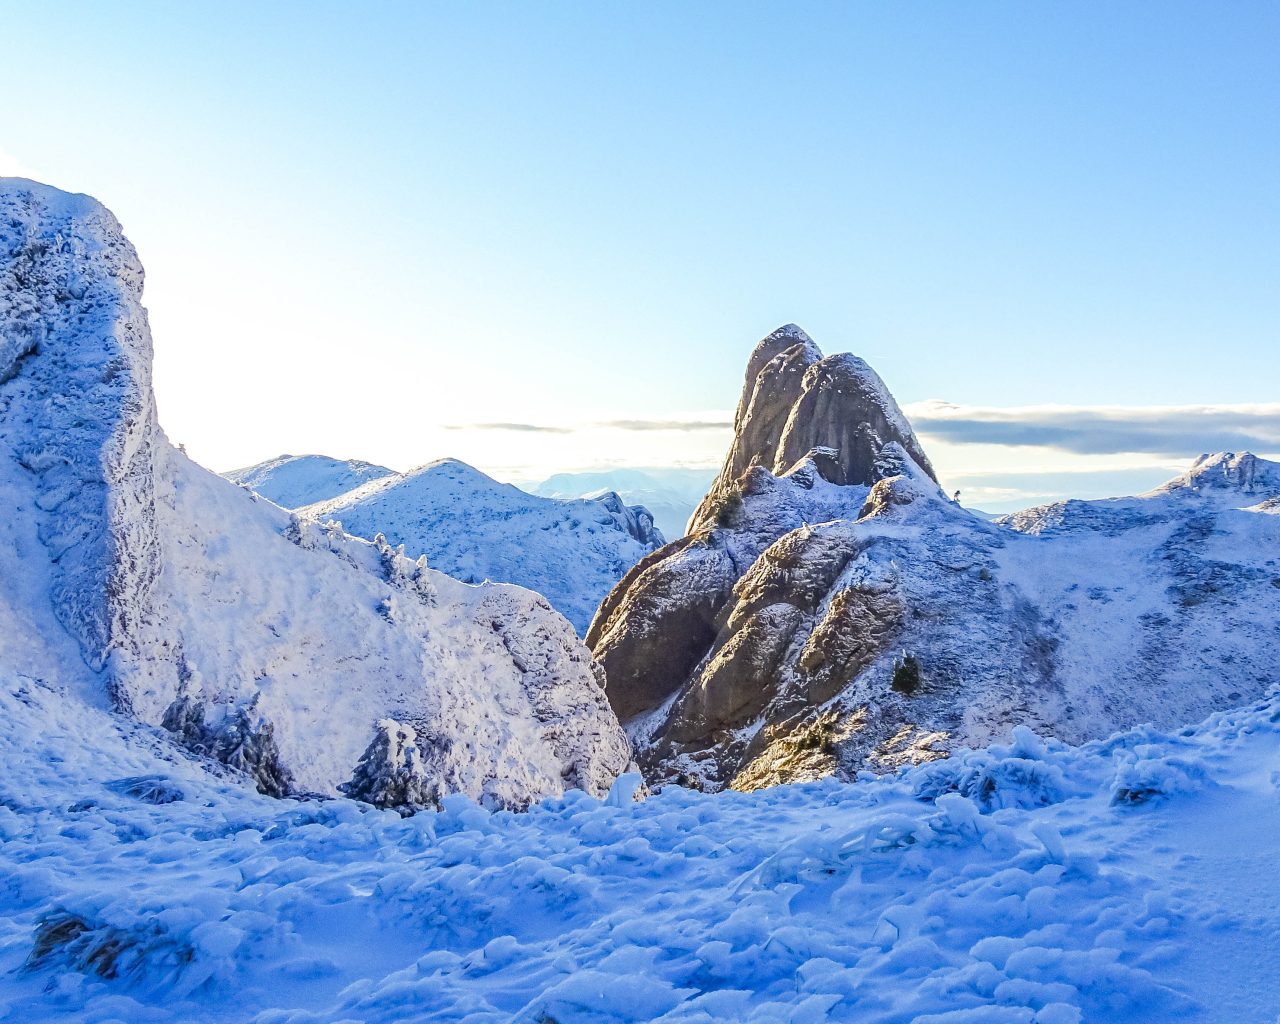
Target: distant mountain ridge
<point x="670" y="493"/>
<point x="474" y="528"/>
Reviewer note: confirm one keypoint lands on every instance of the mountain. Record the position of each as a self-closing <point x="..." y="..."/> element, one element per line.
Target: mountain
<point x="473" y="528"/>
<point x="292" y="481"/>
<point x="307" y="658"/>
<point x="669" y="493"/>
<point x="842" y="613"/>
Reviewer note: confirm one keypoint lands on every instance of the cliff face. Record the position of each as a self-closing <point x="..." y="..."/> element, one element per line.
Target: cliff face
<point x="839" y="612"/>
<point x="277" y="645"/>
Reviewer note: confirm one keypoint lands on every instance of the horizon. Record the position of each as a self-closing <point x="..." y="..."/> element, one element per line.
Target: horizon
<point x="1053" y="237"/>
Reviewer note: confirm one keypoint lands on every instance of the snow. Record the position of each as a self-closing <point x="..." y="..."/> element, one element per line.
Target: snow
<point x="474" y="528"/>
<point x="1029" y="882"/>
<point x="292" y="481"/>
<point x="276" y="643"/>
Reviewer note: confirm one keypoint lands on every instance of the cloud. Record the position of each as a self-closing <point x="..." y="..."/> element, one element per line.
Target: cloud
<point x="12" y="167"/>
<point x="666" y="424"/>
<point x="524" y="428"/>
<point x="1173" y="431"/>
<point x="634" y="425"/>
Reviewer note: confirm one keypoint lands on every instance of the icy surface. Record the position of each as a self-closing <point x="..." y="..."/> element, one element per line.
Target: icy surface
<point x="292" y="481"/>
<point x="475" y="528"/>
<point x="1030" y="883"/>
<point x="276" y="644"/>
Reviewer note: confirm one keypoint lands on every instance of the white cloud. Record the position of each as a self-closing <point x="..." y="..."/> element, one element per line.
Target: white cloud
<point x="12" y="167"/>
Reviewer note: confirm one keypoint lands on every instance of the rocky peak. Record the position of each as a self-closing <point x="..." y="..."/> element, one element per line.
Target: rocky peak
<point x="1228" y="473"/>
<point x="794" y="402"/>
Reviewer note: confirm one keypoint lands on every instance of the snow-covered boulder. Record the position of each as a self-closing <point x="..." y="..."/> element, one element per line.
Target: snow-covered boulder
<point x="474" y="528"/>
<point x="269" y="641"/>
<point x="817" y="626"/>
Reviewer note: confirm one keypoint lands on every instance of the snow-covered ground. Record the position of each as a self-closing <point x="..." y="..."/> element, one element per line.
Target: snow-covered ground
<point x="475" y="528"/>
<point x="1126" y="880"/>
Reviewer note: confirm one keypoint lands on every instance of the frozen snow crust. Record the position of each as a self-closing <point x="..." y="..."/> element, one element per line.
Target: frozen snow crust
<point x="275" y="644"/>
<point x="1030" y="883"/>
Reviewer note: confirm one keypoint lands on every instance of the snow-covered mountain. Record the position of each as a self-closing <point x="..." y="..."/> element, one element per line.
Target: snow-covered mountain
<point x="292" y="481"/>
<point x="843" y="613"/>
<point x="308" y="658"/>
<point x="669" y="493"/>
<point x="474" y="528"/>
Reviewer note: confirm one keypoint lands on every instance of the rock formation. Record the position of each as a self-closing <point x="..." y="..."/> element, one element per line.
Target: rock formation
<point x="834" y="610"/>
<point x="794" y="403"/>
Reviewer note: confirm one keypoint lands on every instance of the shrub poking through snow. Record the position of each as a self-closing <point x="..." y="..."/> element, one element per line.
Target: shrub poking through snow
<point x="906" y="675"/>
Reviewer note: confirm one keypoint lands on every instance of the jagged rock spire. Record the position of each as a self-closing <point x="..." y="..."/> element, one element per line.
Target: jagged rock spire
<point x="793" y="401"/>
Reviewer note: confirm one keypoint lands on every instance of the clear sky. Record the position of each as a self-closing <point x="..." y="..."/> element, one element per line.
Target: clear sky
<point x="370" y="227"/>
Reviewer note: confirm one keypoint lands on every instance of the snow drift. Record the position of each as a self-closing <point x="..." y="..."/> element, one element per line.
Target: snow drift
<point x="272" y="643"/>
<point x="1027" y="883"/>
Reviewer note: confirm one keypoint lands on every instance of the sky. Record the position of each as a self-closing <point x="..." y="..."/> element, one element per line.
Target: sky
<point x="545" y="237"/>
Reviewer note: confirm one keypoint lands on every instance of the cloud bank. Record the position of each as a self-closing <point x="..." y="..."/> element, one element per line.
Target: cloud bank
<point x="1172" y="431"/>
<point x="634" y="425"/>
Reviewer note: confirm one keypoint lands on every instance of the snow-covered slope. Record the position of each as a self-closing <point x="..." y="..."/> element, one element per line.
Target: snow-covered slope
<point x="474" y="528"/>
<point x="1031" y="883"/>
<point x="669" y="493"/>
<point x="306" y="657"/>
<point x="782" y="642"/>
<point x="292" y="481"/>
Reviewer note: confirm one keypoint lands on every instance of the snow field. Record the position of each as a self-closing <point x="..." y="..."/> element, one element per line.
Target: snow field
<point x="1031" y="883"/>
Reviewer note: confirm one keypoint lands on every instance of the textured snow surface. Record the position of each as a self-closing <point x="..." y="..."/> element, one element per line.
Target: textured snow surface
<point x="1031" y="883"/>
<point x="278" y="644"/>
<point x="292" y="481"/>
<point x="475" y="528"/>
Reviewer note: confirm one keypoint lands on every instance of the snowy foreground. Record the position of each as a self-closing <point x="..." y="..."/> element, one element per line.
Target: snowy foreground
<point x="1126" y="880"/>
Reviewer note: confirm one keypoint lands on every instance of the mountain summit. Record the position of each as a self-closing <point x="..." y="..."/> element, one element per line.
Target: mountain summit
<point x="795" y="404"/>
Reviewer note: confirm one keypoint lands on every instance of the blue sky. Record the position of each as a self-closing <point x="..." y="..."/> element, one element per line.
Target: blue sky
<point x="367" y="224"/>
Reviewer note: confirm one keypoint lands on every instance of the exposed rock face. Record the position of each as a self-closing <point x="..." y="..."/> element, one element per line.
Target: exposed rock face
<point x="814" y="625"/>
<point x="794" y="402"/>
<point x="274" y="644"/>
